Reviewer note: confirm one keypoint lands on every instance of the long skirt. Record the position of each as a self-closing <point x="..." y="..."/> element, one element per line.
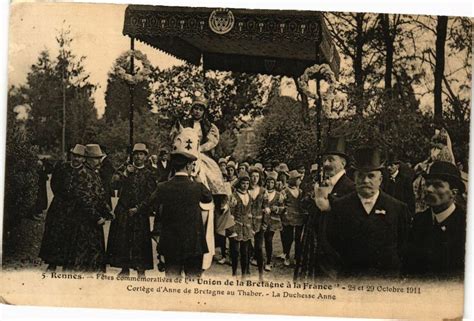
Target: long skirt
<point x="129" y="243"/>
<point x="86" y="251"/>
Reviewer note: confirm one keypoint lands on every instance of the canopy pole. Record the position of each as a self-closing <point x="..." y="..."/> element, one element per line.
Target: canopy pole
<point x="131" y="88"/>
<point x="319" y="107"/>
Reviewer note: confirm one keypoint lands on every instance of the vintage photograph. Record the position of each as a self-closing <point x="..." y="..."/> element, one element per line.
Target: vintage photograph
<point x="237" y="160"/>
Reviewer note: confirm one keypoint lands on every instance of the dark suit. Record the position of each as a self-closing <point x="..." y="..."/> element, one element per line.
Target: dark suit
<point x="402" y="189"/>
<point x="318" y="256"/>
<point x="182" y="238"/>
<point x="437" y="249"/>
<point x="163" y="173"/>
<point x="369" y="244"/>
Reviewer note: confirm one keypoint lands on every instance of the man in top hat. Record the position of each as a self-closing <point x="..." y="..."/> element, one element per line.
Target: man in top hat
<point x="397" y="184"/>
<point x="437" y="238"/>
<point x="57" y="224"/>
<point x="335" y="160"/>
<point x="318" y="255"/>
<point x="163" y="167"/>
<point x="368" y="228"/>
<point x="129" y="245"/>
<point x="182" y="240"/>
<point x="86" y="250"/>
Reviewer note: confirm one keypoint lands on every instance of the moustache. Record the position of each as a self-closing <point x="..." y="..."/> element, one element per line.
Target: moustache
<point x="327" y="168"/>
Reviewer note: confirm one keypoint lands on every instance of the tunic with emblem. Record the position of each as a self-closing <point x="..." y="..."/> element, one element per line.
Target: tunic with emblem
<point x="86" y="250"/>
<point x="243" y="217"/>
<point x="129" y="243"/>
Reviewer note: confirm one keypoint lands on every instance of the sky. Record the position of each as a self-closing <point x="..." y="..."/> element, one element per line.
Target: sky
<point x="96" y="30"/>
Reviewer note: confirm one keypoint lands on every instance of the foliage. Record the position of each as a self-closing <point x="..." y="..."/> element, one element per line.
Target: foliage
<point x="46" y="82"/>
<point x="21" y="175"/>
<point x="233" y="97"/>
<point x="283" y="135"/>
<point x="149" y="128"/>
<point x="117" y="95"/>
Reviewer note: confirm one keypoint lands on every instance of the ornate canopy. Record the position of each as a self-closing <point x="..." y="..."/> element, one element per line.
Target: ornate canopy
<point x="274" y="42"/>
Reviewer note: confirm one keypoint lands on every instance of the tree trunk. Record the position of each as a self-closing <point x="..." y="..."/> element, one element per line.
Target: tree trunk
<point x="441" y="31"/>
<point x="388" y="39"/>
<point x="358" y="72"/>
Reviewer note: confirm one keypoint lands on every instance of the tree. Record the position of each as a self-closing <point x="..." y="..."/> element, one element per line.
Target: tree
<point x="50" y="85"/>
<point x="20" y="168"/>
<point x="233" y="97"/>
<point x="117" y="95"/>
<point x="283" y="135"/>
<point x="353" y="34"/>
<point x="441" y="31"/>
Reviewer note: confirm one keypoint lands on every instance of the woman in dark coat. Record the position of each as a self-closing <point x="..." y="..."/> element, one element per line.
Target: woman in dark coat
<point x="129" y="244"/>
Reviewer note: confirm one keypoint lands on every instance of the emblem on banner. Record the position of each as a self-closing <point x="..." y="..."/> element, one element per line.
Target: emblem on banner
<point x="221" y="21"/>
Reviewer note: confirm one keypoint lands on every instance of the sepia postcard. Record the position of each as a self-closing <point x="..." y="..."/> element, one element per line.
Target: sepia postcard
<point x="285" y="162"/>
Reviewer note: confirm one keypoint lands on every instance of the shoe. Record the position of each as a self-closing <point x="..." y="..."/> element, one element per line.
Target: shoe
<point x="268" y="267"/>
<point x="287" y="262"/>
<point x="282" y="256"/>
<point x="253" y="262"/>
<point x="124" y="272"/>
<point x="222" y="260"/>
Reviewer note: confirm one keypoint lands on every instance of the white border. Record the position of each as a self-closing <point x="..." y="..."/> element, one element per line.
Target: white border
<point x="452" y="7"/>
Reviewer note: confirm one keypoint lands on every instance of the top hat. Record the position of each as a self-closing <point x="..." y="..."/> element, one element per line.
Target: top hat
<point x="186" y="143"/>
<point x="79" y="150"/>
<point x="140" y="147"/>
<point x="367" y="159"/>
<point x="336" y="146"/>
<point x="93" y="151"/>
<point x="272" y="175"/>
<point x="200" y="100"/>
<point x="448" y="172"/>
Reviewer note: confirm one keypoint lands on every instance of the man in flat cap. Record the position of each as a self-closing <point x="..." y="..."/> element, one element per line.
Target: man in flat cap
<point x="129" y="245"/>
<point x="437" y="238"/>
<point x="368" y="228"/>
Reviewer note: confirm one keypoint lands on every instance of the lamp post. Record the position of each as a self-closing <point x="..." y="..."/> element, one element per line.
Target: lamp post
<point x="132" y="106"/>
